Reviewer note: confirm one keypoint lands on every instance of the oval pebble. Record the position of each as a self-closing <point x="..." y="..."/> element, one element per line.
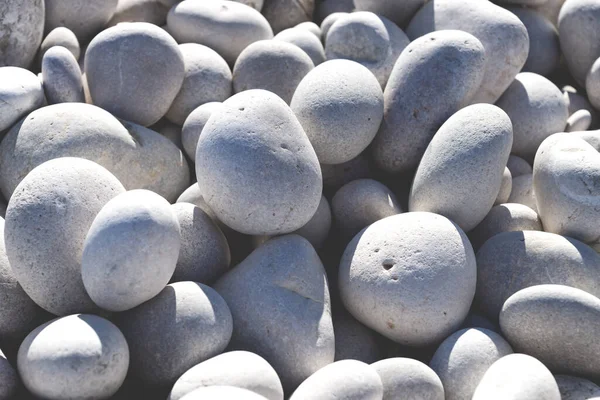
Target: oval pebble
<point x="84" y="18"/>
<point x="62" y="77"/>
<point x="310" y="44"/>
<point x="328" y="22"/>
<point x="311" y="27"/>
<point x="193" y="126"/>
<point x="574" y="388"/>
<point x="20" y="93"/>
<point x="518" y="166"/>
<point x="21" y="30"/>
<point x="60" y="36"/>
<point x="580" y="120"/>
<point x="505" y="187"/>
<point x="408" y="378"/>
<point x="522" y="191"/>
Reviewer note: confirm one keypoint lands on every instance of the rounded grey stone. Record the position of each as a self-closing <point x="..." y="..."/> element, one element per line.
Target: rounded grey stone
<point x="47" y="220"/>
<point x="353" y="340"/>
<point x="60" y="36"/>
<point x="85" y="18"/>
<point x="474" y="320"/>
<point x="337" y="175"/>
<point x="255" y="129"/>
<point x="272" y="65"/>
<point x="330" y="20"/>
<point x="283" y="14"/>
<point x="577" y="101"/>
<point x="511" y="261"/>
<point x="312" y="28"/>
<point x="240" y="369"/>
<point x="21" y="93"/>
<point x="517" y="377"/>
<point x="518" y="166"/>
<point x="461" y="172"/>
<point x="62" y="77"/>
<point x="193" y="125"/>
<point x="592" y="84"/>
<point x="340" y="106"/>
<point x="574" y="388"/>
<point x="557" y="325"/>
<point x="505" y="187"/>
<point x="580" y="120"/>
<point x="317" y="228"/>
<point x="360" y="203"/>
<point x="225" y="26"/>
<point x="185" y="324"/>
<point x="436" y="76"/>
<point x="422" y="251"/>
<point x="399" y="12"/>
<point x="78" y="356"/>
<point x="152" y="11"/>
<point x="502" y="34"/>
<point x="341" y="380"/>
<point x="123" y="76"/>
<point x="169" y="130"/>
<point x="193" y="195"/>
<point x="222" y="393"/>
<point x="306" y="40"/>
<point x="550" y="9"/>
<point x="464" y="357"/>
<point x="207" y="79"/>
<point x="325" y="8"/>
<point x="21" y="31"/>
<point x="9" y="379"/>
<point x="408" y="378"/>
<point x="282" y="314"/>
<point x="256" y="4"/>
<point x="522" y="191"/>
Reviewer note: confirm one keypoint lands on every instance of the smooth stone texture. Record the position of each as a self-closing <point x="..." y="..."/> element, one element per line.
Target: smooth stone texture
<point x="193" y="195"/>
<point x="60" y="36"/>
<point x="20" y="93"/>
<point x="522" y="191"/>
<point x="312" y="28"/>
<point x="328" y="22"/>
<point x="283" y="14"/>
<point x="342" y="380"/>
<point x="518" y="166"/>
<point x="317" y="228"/>
<point x="592" y="84"/>
<point x="399" y="12"/>
<point x="573" y="388"/>
<point x="517" y="377"/>
<point x="63" y="197"/>
<point x="185" y="324"/>
<point x="408" y="378"/>
<point x="62" y="77"/>
<point x="502" y="34"/>
<point x="272" y="65"/>
<point x="308" y="41"/>
<point x="353" y="340"/>
<point x="511" y="261"/>
<point x="81" y="356"/>
<point x="507" y="217"/>
<point x="461" y="172"/>
<point x="226" y="27"/>
<point x="505" y="187"/>
<point x="240" y="369"/>
<point x="21" y="31"/>
<point x="576" y="100"/>
<point x="85" y="18"/>
<point x="436" y="76"/>
<point x="123" y="76"/>
<point x="536" y="108"/>
<point x="207" y="79"/>
<point x="556" y="324"/>
<point x="222" y="393"/>
<point x="340" y="106"/>
<point x="204" y="255"/>
<point x="279" y="299"/>
<point x="193" y="125"/>
<point x="336" y="176"/>
<point x="417" y="251"/>
<point x="9" y="379"/>
<point x="131" y="250"/>
<point x="464" y="357"/>
<point x="152" y="11"/>
<point x="580" y="120"/>
<point x="255" y="129"/>
<point x="360" y="203"/>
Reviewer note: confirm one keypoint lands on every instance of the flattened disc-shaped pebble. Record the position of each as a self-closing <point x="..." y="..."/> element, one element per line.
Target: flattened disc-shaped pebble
<point x="399" y="12"/>
<point x="193" y="125"/>
<point x="517" y="377"/>
<point x="185" y="324"/>
<point x="256" y="167"/>
<point x="511" y="261"/>
<point x="123" y="76"/>
<point x="389" y="262"/>
<point x="435" y="77"/>
<point x="21" y="31"/>
<point x="47" y="220"/>
<point x="9" y="379"/>
<point x="556" y="324"/>
<point x="84" y="17"/>
<point x="222" y="393"/>
<point x="60" y="36"/>
<point x="81" y="356"/>
<point x="283" y="14"/>
<point x="464" y="357"/>
<point x="461" y="171"/>
<point x="518" y="166"/>
<point x="225" y="26"/>
<point x="235" y="368"/>
<point x="342" y="380"/>
<point x="310" y="44"/>
<point x="408" y="378"/>
<point x="62" y="77"/>
<point x="20" y="93"/>
<point x="340" y="106"/>
<point x="279" y="299"/>
<point x="574" y="388"/>
<point x="502" y="34"/>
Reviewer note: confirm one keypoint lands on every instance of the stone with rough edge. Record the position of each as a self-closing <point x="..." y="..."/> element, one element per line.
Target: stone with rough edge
<point x="408" y="378"/>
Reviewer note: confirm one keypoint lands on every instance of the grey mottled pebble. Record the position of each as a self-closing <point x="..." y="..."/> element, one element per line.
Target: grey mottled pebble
<point x="574" y="388"/>
<point x="85" y="18"/>
<point x="20" y="93"/>
<point x="21" y="31"/>
<point x="408" y="378"/>
<point x="310" y="44"/>
<point x="62" y="77"/>
<point x="193" y="125"/>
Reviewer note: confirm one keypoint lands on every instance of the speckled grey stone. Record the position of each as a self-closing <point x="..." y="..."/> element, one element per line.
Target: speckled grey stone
<point x="74" y="357"/>
<point x="47" y="220"/>
<point x="279" y="299"/>
<point x="518" y="166"/>
<point x="574" y="388"/>
<point x="271" y="65"/>
<point x="20" y="93"/>
<point x="163" y="333"/>
<point x="193" y="125"/>
<point x="207" y="79"/>
<point x="317" y="228"/>
<point x="505" y="187"/>
<point x="580" y="120"/>
<point x="340" y="106"/>
<point x="556" y="324"/>
<point x="399" y="12"/>
<point x="353" y="340"/>
<point x="62" y="77"/>
<point x="435" y="77"/>
<point x="240" y="369"/>
<point x="306" y="40"/>
<point x="21" y="31"/>
<point x="244" y="194"/>
<point x="330" y="20"/>
<point x="517" y="377"/>
<point x="9" y="379"/>
<point x="507" y="217"/>
<point x="522" y="191"/>
<point x="226" y="27"/>
<point x="408" y="378"/>
<point x="152" y="11"/>
<point x="222" y="393"/>
<point x="412" y="250"/>
<point x="84" y="18"/>
<point x="123" y="76"/>
<point x="283" y="14"/>
<point x="342" y="380"/>
<point x="368" y="39"/>
<point x="511" y="261"/>
<point x="336" y="176"/>
<point x="464" y="357"/>
<point x="311" y="27"/>
<point x="502" y="34"/>
<point x="60" y="36"/>
<point x="460" y="174"/>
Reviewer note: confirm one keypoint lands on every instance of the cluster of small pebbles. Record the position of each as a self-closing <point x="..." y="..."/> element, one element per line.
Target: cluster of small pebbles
<point x="300" y="199"/>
